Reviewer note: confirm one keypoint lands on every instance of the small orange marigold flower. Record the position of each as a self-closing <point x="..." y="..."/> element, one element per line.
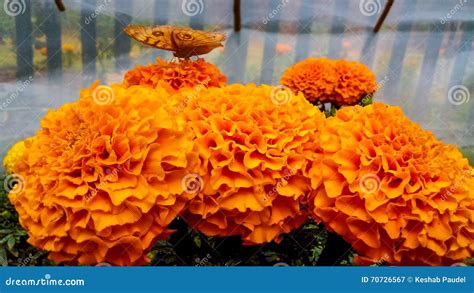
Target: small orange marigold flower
<point x="338" y="81"/>
<point x="176" y="75"/>
<point x="68" y="48"/>
<point x="392" y="190"/>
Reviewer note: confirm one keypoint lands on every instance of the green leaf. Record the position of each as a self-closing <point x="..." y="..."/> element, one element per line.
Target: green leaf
<point x="11" y="243"/>
<point x="6" y="231"/>
<point x="3" y="257"/>
<point x="366" y="100"/>
<point x="5" y="239"/>
<point x="197" y="240"/>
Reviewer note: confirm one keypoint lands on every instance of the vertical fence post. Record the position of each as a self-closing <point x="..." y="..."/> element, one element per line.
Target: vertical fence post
<point x="303" y="31"/>
<point x="160" y="14"/>
<point x="197" y="21"/>
<point x="338" y="28"/>
<point x="398" y="51"/>
<point x="24" y="43"/>
<point x="428" y="68"/>
<point x="122" y="44"/>
<point x="52" y="30"/>
<point x="269" y="53"/>
<point x="457" y="99"/>
<point x="463" y="51"/>
<point x="88" y="40"/>
<point x="367" y="52"/>
<point x="235" y="56"/>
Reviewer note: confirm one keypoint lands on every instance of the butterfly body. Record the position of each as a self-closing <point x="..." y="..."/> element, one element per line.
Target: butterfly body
<point x="183" y="42"/>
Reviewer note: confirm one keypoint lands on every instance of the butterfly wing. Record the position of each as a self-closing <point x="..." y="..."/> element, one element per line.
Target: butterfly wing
<point x="189" y="42"/>
<point x="154" y="36"/>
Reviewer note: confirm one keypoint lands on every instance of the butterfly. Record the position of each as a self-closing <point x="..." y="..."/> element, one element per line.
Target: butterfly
<point x="182" y="41"/>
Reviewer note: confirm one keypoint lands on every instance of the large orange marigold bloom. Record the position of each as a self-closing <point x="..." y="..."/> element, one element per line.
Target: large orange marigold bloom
<point x="253" y="155"/>
<point x="176" y="75"/>
<point x="103" y="177"/>
<point x="392" y="190"/>
<point x="338" y="81"/>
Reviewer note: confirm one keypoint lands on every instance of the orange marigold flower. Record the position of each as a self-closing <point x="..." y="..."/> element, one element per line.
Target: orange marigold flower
<point x="316" y="78"/>
<point x="355" y="81"/>
<point x="338" y="81"/>
<point x="176" y="75"/>
<point x="392" y="190"/>
<point x="69" y="48"/>
<point x="282" y="48"/>
<point x="103" y="177"/>
<point x="253" y="152"/>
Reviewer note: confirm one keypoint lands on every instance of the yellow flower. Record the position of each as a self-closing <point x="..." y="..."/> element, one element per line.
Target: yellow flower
<point x="14" y="155"/>
<point x="68" y="48"/>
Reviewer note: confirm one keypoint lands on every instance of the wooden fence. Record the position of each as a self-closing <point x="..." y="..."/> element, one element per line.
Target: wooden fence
<point x="441" y="37"/>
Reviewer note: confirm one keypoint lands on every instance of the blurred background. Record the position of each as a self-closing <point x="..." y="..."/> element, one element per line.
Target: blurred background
<point x="422" y="55"/>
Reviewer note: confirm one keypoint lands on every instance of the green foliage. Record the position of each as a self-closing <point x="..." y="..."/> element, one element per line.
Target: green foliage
<point x="14" y="249"/>
<point x="468" y="152"/>
<point x="188" y="247"/>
